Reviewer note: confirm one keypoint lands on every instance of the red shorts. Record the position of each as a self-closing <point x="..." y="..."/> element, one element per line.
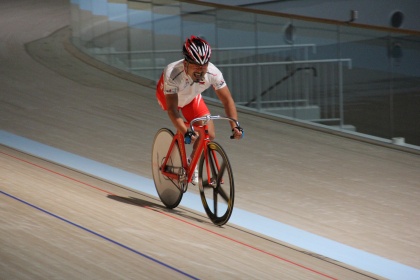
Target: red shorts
<point x="195" y="109"/>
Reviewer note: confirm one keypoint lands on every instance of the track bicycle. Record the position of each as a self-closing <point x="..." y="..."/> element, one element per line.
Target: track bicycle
<point x="171" y="172"/>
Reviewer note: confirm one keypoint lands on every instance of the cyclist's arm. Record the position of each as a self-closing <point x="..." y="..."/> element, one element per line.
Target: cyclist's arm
<point x="172" y="107"/>
<point x="227" y="100"/>
<point x="230" y="108"/>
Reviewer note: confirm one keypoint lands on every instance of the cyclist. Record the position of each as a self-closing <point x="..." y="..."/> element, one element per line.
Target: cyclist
<point x="180" y="88"/>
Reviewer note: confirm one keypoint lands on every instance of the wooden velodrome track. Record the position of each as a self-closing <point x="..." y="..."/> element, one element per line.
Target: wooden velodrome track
<point x="60" y="223"/>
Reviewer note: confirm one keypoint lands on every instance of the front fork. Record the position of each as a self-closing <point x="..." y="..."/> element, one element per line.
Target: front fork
<point x="212" y="181"/>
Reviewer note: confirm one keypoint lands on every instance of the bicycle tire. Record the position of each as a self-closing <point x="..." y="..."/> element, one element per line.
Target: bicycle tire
<point x="168" y="189"/>
<point x="217" y="198"/>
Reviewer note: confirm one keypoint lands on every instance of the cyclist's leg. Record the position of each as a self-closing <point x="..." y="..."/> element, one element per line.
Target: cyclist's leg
<point x="197" y="109"/>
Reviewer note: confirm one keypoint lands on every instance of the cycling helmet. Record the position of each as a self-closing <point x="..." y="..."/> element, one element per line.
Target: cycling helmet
<point x="196" y="51"/>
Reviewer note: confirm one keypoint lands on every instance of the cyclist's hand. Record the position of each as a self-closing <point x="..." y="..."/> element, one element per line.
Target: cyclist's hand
<point x="194" y="137"/>
<point x="238" y="133"/>
<point x="190" y="137"/>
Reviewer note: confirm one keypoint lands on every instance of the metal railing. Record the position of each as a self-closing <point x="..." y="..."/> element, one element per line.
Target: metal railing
<point x="305" y="89"/>
<point x="142" y="37"/>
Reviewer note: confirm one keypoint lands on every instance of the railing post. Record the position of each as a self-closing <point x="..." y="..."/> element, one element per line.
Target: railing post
<point x="259" y="89"/>
<point x="340" y="79"/>
<point x="130" y="64"/>
<point x="391" y="90"/>
<point x="155" y="74"/>
<point x="259" y="68"/>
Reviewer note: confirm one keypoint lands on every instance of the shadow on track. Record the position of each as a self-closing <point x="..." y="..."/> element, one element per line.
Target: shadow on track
<point x="185" y="213"/>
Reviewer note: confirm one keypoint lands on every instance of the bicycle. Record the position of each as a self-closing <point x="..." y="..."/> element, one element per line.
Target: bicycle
<point x="171" y="172"/>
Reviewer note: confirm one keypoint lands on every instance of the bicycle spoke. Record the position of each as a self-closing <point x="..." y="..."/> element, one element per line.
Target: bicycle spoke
<point x="221" y="172"/>
<point x="222" y="193"/>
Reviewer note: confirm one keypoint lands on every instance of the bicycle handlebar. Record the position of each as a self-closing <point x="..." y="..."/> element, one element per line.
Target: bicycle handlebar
<point x="208" y="118"/>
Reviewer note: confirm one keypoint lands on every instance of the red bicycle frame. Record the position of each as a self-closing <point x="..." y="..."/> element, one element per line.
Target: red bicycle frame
<point x="204" y="139"/>
<point x="202" y="146"/>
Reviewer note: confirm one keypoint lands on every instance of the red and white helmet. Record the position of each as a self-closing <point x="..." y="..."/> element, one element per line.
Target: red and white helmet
<point x="196" y="51"/>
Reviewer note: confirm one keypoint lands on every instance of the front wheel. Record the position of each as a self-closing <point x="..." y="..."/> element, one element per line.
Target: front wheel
<point x="217" y="189"/>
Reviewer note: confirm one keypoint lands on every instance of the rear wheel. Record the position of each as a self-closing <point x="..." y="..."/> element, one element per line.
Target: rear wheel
<point x="216" y="187"/>
<point x="168" y="189"/>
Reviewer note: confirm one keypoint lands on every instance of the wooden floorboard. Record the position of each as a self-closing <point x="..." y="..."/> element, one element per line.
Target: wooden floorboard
<point x="358" y="194"/>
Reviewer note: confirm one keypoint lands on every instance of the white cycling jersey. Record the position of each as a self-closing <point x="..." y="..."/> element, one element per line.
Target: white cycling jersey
<point x="177" y="81"/>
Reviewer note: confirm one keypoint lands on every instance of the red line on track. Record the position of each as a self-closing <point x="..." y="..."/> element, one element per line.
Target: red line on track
<point x="236" y="241"/>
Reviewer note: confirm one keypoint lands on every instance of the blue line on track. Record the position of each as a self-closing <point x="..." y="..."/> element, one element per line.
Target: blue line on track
<point x="99" y="235"/>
